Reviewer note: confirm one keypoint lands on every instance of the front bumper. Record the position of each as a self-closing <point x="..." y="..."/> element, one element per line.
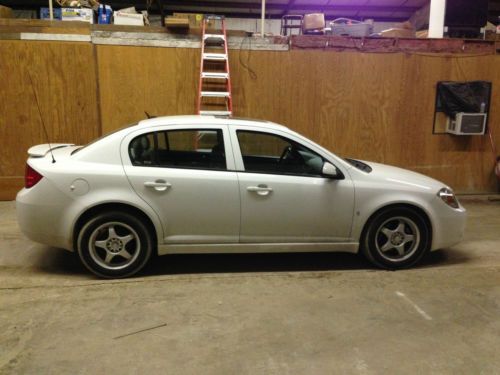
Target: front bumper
<point x="449" y="225"/>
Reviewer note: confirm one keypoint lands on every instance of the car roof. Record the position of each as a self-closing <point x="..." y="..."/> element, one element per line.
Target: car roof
<point x="207" y="120"/>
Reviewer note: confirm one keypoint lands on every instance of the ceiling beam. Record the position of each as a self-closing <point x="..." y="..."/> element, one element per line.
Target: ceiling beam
<point x="287" y="7"/>
<point x="293" y="6"/>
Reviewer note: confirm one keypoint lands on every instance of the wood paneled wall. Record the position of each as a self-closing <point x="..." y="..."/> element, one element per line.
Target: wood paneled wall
<point x="132" y="80"/>
<point x="377" y="107"/>
<point x="64" y="80"/>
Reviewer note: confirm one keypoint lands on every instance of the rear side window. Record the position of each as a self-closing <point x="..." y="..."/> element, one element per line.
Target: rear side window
<point x="198" y="149"/>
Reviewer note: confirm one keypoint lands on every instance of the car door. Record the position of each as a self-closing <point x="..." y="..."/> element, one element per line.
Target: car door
<point x="284" y="196"/>
<point x="186" y="174"/>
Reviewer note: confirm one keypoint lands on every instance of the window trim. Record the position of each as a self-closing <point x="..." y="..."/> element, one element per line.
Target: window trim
<point x="219" y="132"/>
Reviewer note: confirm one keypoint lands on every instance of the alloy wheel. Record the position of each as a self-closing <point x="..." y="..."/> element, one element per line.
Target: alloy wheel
<point x="114" y="245"/>
<point x="397" y="239"/>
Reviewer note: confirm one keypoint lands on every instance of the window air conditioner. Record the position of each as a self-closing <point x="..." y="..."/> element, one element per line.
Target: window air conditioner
<point x="467" y="124"/>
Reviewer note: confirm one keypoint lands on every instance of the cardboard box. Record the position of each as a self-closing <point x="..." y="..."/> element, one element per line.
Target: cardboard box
<point x="78" y="14"/>
<point x="314" y="21"/>
<point x="398" y="33"/>
<point x="68" y="14"/>
<point x="402" y="30"/>
<point x="177" y="23"/>
<point x="125" y="18"/>
<point x="195" y="19"/>
<point x="5" y="12"/>
<point x="422" y="34"/>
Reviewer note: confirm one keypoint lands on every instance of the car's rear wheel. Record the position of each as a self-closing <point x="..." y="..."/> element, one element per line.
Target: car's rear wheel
<point x="114" y="245"/>
<point x="396" y="238"/>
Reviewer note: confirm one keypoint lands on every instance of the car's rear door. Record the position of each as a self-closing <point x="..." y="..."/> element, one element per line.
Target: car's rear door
<point x="285" y="198"/>
<point x="186" y="174"/>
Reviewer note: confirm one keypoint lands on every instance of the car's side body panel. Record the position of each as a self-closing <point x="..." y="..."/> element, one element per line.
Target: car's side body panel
<point x="301" y="208"/>
<point x="275" y="247"/>
<point x="70" y="187"/>
<point x="198" y="206"/>
<point x="374" y="193"/>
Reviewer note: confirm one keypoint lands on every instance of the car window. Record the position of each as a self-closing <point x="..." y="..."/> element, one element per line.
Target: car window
<point x="193" y="148"/>
<point x="270" y="153"/>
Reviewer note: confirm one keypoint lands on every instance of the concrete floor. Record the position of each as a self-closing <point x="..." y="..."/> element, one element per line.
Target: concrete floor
<point x="253" y="314"/>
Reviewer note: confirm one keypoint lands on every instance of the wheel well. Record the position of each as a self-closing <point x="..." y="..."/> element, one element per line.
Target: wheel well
<point x="93" y="211"/>
<point x="412" y="207"/>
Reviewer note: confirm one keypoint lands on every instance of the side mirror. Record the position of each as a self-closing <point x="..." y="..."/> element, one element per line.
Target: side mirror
<point x="329" y="170"/>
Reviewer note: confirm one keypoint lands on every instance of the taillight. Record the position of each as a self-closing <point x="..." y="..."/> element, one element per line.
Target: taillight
<point x="31" y="177"/>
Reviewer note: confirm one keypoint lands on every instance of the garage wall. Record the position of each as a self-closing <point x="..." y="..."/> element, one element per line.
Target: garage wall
<point x="132" y="80"/>
<point x="377" y="107"/>
<point x="63" y="76"/>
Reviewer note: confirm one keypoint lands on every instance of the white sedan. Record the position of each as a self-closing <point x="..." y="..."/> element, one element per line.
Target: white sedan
<point x="192" y="184"/>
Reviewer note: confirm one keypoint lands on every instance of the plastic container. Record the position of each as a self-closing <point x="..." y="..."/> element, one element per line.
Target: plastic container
<point x="45" y="15"/>
<point x="347" y="27"/>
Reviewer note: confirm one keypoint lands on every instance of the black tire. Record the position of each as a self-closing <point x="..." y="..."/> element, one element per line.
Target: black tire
<point x="114" y="245"/>
<point x="386" y="238"/>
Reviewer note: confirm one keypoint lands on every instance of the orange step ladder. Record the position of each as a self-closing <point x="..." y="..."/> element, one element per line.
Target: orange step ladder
<point x="214" y="88"/>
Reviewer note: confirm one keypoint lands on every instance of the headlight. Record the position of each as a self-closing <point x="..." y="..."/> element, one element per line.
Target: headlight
<point x="448" y="197"/>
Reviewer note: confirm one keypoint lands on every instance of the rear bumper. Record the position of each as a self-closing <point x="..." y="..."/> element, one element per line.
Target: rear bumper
<point x="40" y="217"/>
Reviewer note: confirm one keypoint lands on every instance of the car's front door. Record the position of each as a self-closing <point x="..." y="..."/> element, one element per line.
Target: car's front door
<point x="186" y="174"/>
<point x="284" y="196"/>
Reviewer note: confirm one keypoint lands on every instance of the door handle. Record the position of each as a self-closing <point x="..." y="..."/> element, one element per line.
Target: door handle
<point x="260" y="189"/>
<point x="158" y="185"/>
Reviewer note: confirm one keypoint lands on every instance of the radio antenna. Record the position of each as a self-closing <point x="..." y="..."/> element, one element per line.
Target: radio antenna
<point x="41" y="117"/>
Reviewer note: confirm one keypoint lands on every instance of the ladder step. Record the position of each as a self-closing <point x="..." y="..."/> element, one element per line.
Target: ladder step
<point x="215" y="94"/>
<point x="215" y="56"/>
<point x="216" y="113"/>
<point x="215" y="75"/>
<point x="214" y="36"/>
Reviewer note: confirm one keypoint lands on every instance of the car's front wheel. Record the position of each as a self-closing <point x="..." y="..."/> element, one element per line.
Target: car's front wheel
<point x="396" y="238"/>
<point x="114" y="245"/>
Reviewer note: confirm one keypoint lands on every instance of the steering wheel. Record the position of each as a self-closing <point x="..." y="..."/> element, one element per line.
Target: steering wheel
<point x="287" y="151"/>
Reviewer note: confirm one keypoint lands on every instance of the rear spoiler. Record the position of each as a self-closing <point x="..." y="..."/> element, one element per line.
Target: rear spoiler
<point x="39" y="151"/>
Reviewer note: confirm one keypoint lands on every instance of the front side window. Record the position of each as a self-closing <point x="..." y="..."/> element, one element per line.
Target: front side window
<point x="199" y="149"/>
<point x="270" y="153"/>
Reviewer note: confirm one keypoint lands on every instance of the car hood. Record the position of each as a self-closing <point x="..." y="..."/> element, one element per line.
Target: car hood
<point x="403" y="177"/>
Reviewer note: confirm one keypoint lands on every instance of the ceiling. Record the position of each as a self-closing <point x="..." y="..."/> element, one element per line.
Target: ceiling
<point x="494" y="11"/>
<point x="380" y="10"/>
